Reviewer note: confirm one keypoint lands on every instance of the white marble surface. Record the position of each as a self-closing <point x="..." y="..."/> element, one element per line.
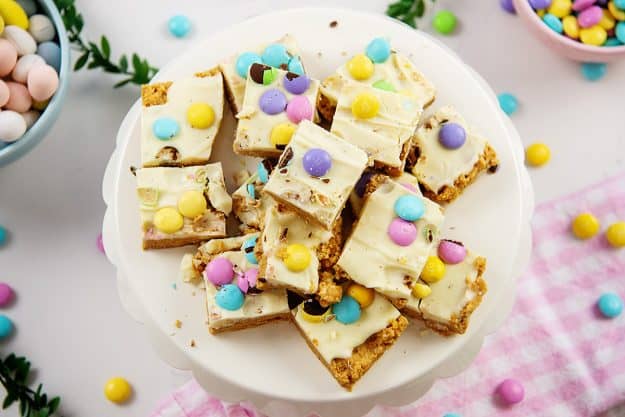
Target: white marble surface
<point x="69" y="319"/>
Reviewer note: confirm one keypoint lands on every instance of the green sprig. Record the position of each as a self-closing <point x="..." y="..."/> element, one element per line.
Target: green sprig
<point x="408" y="11"/>
<point x="94" y="55"/>
<point x="14" y="373"/>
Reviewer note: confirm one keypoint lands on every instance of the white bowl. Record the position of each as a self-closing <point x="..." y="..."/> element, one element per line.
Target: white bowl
<point x="271" y="365"/>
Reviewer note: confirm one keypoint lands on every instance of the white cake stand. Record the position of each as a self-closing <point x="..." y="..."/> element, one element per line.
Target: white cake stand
<point x="271" y="365"/>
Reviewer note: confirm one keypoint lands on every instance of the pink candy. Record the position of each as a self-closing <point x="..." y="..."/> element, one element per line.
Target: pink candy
<point x="299" y="109"/>
<point x="580" y="5"/>
<point x="219" y="271"/>
<point x="247" y="280"/>
<point x="19" y="99"/>
<point x="8" y="57"/>
<point x="451" y="252"/>
<point x="410" y="187"/>
<point x="590" y="16"/>
<point x="6" y="294"/>
<point x="42" y="82"/>
<point x="510" y="391"/>
<point x="401" y="232"/>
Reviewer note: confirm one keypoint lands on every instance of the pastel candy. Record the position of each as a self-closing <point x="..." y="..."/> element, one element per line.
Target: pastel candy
<point x="179" y="25"/>
<point x="401" y="232"/>
<point x="298" y="109"/>
<point x="276" y="55"/>
<point x="6" y="294"/>
<point x="409" y="207"/>
<point x="610" y="305"/>
<point x="13" y="14"/>
<point x="12" y="126"/>
<point x="8" y="57"/>
<point x="24" y="65"/>
<point x="251" y="276"/>
<point x="19" y="98"/>
<point x="511" y="391"/>
<point x="165" y="128"/>
<point x="41" y="28"/>
<point x="245" y="61"/>
<point x="51" y="53"/>
<point x="6" y="327"/>
<point x="296" y="66"/>
<point x="347" y="311"/>
<point x="230" y="297"/>
<point x="378" y="50"/>
<point x="295" y="84"/>
<point x="263" y="173"/>
<point x="317" y="162"/>
<point x="43" y="82"/>
<point x="21" y="40"/>
<point x="452" y="135"/>
<point x="219" y="271"/>
<point x="451" y="252"/>
<point x="248" y="249"/>
<point x="272" y="101"/>
<point x="579" y="5"/>
<point x="590" y="16"/>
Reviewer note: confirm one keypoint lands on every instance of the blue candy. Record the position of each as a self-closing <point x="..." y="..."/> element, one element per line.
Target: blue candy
<point x="452" y="415"/>
<point x="620" y="4"/>
<point x="165" y="128"/>
<point x="593" y="71"/>
<point x="51" y="53"/>
<point x="612" y="42"/>
<point x="248" y="250"/>
<point x="553" y="22"/>
<point x="508" y="103"/>
<point x="6" y="326"/>
<point x="619" y="32"/>
<point x="275" y="55"/>
<point x="179" y="25"/>
<point x="251" y="191"/>
<point x="409" y="207"/>
<point x="4" y="235"/>
<point x="610" y="304"/>
<point x="347" y="311"/>
<point x="295" y="66"/>
<point x="245" y="61"/>
<point x="263" y="174"/>
<point x="378" y="50"/>
<point x="230" y="297"/>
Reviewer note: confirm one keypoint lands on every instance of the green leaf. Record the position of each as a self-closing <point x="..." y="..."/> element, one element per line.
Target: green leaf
<point x="22" y="372"/>
<point x="80" y="62"/>
<point x="122" y="83"/>
<point x="420" y="8"/>
<point x="54" y="404"/>
<point x="23" y="408"/>
<point x="9" y="400"/>
<point x="123" y="63"/>
<point x="106" y="47"/>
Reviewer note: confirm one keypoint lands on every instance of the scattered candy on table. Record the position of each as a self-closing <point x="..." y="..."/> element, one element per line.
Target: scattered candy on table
<point x="6" y="294"/>
<point x="4" y="234"/>
<point x="444" y="22"/>
<point x="508" y="103"/>
<point x="6" y="327"/>
<point x="537" y="154"/>
<point x="585" y="226"/>
<point x="610" y="305"/>
<point x="591" y="22"/>
<point x="117" y="390"/>
<point x="179" y="26"/>
<point x="452" y="415"/>
<point x="615" y="235"/>
<point x="510" y="391"/>
<point x="30" y="59"/>
<point x="508" y="6"/>
<point x="593" y="71"/>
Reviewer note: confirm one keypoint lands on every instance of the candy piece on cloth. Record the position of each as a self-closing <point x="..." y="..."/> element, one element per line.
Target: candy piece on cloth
<point x="117" y="390"/>
<point x="510" y="391"/>
<point x="585" y="226"/>
<point x="610" y="305"/>
<point x="615" y="234"/>
<point x="6" y="294"/>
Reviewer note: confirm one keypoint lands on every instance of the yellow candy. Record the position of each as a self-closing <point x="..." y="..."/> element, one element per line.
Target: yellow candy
<point x="168" y="220"/>
<point x="13" y="14"/>
<point x="616" y="234"/>
<point x="363" y="295"/>
<point x="200" y="115"/>
<point x="297" y="257"/>
<point x="311" y="318"/>
<point x="282" y="133"/>
<point x="434" y="270"/>
<point x="537" y="154"/>
<point x="421" y="290"/>
<point x="192" y="204"/>
<point x="117" y="390"/>
<point x="360" y="67"/>
<point x="594" y="35"/>
<point x="1" y="25"/>
<point x="616" y="12"/>
<point x="541" y="12"/>
<point x="560" y="8"/>
<point x="571" y="27"/>
<point x="607" y="21"/>
<point x="585" y="226"/>
<point x="365" y="106"/>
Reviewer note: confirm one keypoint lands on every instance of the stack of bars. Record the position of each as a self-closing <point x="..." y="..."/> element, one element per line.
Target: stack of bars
<point x="340" y="224"/>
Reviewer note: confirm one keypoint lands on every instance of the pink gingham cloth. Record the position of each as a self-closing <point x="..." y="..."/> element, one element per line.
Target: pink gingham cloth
<point x="570" y="360"/>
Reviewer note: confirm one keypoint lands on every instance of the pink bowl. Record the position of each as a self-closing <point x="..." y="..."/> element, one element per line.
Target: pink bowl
<point x="561" y="44"/>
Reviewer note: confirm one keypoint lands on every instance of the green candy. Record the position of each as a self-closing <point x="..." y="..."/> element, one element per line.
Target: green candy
<point x="269" y="76"/>
<point x="384" y="85"/>
<point x="444" y="22"/>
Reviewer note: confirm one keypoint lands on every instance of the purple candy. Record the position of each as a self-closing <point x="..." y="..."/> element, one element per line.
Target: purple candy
<point x="6" y="294"/>
<point x="540" y="4"/>
<point x="219" y="271"/>
<point x="590" y="16"/>
<point x="452" y="135"/>
<point x="251" y="276"/>
<point x="579" y="5"/>
<point x="451" y="252"/>
<point x="510" y="391"/>
<point x="272" y="101"/>
<point x="401" y="232"/>
<point x="317" y="162"/>
<point x="508" y="6"/>
<point x="361" y="185"/>
<point x="296" y="84"/>
<point x="242" y="283"/>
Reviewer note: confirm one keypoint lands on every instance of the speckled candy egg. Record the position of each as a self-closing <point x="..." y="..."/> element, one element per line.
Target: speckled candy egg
<point x="296" y="84"/>
<point x="4" y="93"/>
<point x="21" y="40"/>
<point x="19" y="98"/>
<point x="42" y="82"/>
<point x="24" y="65"/>
<point x="12" y="126"/>
<point x="219" y="271"/>
<point x="8" y="57"/>
<point x="51" y="53"/>
<point x="41" y="28"/>
<point x="451" y="252"/>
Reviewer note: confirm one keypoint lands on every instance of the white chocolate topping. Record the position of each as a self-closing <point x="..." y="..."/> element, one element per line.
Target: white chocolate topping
<point x="236" y="83"/>
<point x="384" y="136"/>
<point x="398" y="70"/>
<point x="438" y="166"/>
<point x="372" y="259"/>
<point x="334" y="339"/>
<point x="194" y="145"/>
<point x="161" y="187"/>
<point x="250" y="211"/>
<point x="254" y="128"/>
<point x="404" y="178"/>
<point x="282" y="228"/>
<point x="322" y="198"/>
